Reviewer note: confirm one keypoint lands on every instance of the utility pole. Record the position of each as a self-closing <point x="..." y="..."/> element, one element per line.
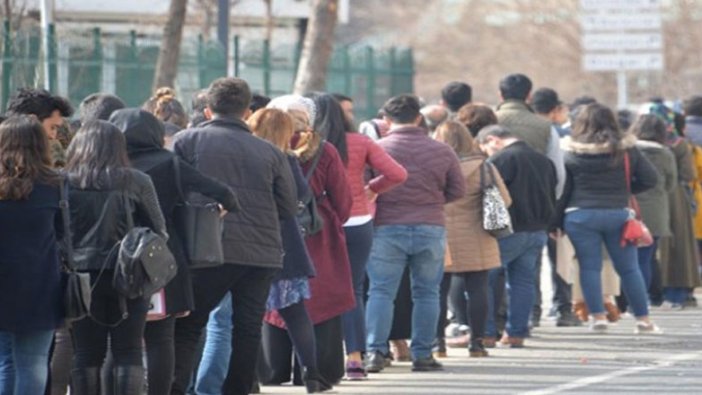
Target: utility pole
<point x="47" y="19"/>
<point x="223" y="28"/>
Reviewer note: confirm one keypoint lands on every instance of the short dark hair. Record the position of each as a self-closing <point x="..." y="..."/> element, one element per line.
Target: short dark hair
<point x="38" y="102"/>
<point x="515" y="87"/>
<point x="402" y="108"/>
<point x="545" y="100"/>
<point x="649" y="127"/>
<point x="341" y="97"/>
<point x="229" y="96"/>
<point x="99" y="106"/>
<point x="258" y="102"/>
<point x="693" y="106"/>
<point x="498" y="131"/>
<point x="456" y="94"/>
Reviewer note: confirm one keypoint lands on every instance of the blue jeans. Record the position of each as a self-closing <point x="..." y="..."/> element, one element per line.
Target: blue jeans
<point x="588" y="229"/>
<point x="646" y="255"/>
<point x="675" y="295"/>
<point x="518" y="253"/>
<point x="358" y="241"/>
<point x="24" y="361"/>
<point x="421" y="247"/>
<point x="214" y="364"/>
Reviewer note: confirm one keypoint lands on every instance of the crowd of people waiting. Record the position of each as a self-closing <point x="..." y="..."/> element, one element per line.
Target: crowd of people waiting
<point x="337" y="246"/>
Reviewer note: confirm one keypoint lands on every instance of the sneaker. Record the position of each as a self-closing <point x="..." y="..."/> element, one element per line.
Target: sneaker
<point x="599" y="325"/>
<point x="671" y="306"/>
<point x="568" y="319"/>
<point x="375" y="362"/>
<point x="355" y="371"/>
<point x="646" y="328"/>
<point x="458" y="341"/>
<point x="428" y="364"/>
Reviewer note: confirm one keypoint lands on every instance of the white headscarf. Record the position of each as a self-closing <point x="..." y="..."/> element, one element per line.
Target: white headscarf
<point x="295" y="102"/>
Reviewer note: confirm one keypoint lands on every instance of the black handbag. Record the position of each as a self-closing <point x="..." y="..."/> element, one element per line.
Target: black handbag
<point x="76" y="291"/>
<point x="200" y="228"/>
<point x="308" y="216"/>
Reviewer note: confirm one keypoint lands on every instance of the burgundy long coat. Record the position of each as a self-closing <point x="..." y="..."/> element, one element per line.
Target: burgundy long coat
<point x="331" y="289"/>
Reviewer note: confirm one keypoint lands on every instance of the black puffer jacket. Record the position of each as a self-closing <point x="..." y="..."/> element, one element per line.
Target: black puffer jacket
<point x="225" y="149"/>
<point x="144" y="134"/>
<point x="99" y="217"/>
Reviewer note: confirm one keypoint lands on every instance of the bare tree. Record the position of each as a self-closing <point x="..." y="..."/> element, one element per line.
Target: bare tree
<point x="269" y="20"/>
<point x="206" y="10"/>
<point x="317" y="48"/>
<point x="167" y="64"/>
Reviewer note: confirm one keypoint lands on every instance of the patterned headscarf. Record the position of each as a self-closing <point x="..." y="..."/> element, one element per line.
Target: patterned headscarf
<point x="295" y="102"/>
<point x="668" y="117"/>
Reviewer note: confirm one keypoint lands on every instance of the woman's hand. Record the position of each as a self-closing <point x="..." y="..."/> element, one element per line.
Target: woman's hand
<point x="370" y="195"/>
<point x="222" y="211"/>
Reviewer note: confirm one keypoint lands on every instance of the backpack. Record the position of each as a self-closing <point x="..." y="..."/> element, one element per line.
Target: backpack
<point x="308" y="217"/>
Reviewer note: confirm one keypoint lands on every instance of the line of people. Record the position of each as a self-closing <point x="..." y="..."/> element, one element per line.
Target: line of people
<point x="337" y="245"/>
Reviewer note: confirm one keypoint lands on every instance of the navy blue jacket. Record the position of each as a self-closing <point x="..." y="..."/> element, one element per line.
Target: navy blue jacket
<point x="30" y="281"/>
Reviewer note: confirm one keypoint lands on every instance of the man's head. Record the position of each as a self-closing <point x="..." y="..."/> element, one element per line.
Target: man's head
<point x="494" y="138"/>
<point x="434" y="115"/>
<point x="346" y="103"/>
<point x="515" y="87"/>
<point x="578" y="104"/>
<point x="99" y="106"/>
<point x="402" y="110"/>
<point x="475" y="117"/>
<point x="228" y="97"/>
<point x="456" y="95"/>
<point x="692" y="106"/>
<point x="49" y="109"/>
<point x="545" y="102"/>
<point x="258" y="102"/>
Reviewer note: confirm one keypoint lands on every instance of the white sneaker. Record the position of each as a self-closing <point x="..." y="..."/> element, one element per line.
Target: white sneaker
<point x="646" y="328"/>
<point x="599" y="325"/>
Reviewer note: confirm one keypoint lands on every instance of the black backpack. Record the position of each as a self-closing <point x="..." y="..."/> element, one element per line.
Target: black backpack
<point x="308" y="216"/>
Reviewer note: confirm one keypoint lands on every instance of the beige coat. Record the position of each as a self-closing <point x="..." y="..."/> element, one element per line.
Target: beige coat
<point x="470" y="247"/>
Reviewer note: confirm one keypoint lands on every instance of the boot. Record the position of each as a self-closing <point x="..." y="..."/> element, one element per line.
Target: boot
<point x="128" y="380"/>
<point x="315" y="383"/>
<point x="477" y="349"/>
<point x="613" y="313"/>
<point x="581" y="311"/>
<point x="85" y="381"/>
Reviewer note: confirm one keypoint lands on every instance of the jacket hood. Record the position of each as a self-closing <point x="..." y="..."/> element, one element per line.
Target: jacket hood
<point x="142" y="130"/>
<point x="570" y="145"/>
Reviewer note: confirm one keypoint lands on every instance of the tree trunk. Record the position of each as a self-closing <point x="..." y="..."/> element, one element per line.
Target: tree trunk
<point x="167" y="64"/>
<point x="317" y="49"/>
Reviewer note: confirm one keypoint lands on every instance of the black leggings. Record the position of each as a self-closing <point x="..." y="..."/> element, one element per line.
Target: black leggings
<point x="301" y="332"/>
<point x="476" y="285"/>
<point x="160" y="352"/>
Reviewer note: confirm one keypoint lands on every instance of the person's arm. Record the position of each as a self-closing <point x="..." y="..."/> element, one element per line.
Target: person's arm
<point x="455" y="183"/>
<point x="284" y="191"/>
<point x="147" y="208"/>
<point x="504" y="192"/>
<point x="182" y="149"/>
<point x="562" y="203"/>
<point x="686" y="169"/>
<point x="194" y="181"/>
<point x="391" y="173"/>
<point x="555" y="154"/>
<point x="644" y="176"/>
<point x="303" y="189"/>
<point x="336" y="186"/>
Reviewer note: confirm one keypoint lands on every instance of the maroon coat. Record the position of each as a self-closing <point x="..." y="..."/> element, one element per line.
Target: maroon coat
<point x="332" y="290"/>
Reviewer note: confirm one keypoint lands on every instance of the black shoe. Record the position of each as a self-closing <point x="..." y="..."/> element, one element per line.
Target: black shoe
<point x="477" y="349"/>
<point x="568" y="319"/>
<point x="315" y="383"/>
<point x="691" y="301"/>
<point x="375" y="362"/>
<point x="428" y="364"/>
<point x="129" y="380"/>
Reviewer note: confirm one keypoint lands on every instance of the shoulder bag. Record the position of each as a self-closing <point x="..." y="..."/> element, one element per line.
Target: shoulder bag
<point x="308" y="216"/>
<point x="77" y="291"/>
<point x="496" y="219"/>
<point x="634" y="231"/>
<point x="200" y="228"/>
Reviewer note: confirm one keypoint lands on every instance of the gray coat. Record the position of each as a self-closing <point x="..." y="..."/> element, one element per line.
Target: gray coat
<point x="654" y="202"/>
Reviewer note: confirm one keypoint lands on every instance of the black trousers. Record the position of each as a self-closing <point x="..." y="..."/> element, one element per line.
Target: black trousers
<point x="276" y="366"/>
<point x="475" y="284"/>
<point x="90" y="337"/>
<point x="249" y="288"/>
<point x="160" y="355"/>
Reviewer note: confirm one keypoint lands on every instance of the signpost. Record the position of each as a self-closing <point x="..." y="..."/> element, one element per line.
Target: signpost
<point x="621" y="36"/>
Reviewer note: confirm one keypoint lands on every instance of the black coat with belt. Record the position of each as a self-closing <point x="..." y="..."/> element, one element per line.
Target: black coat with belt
<point x="144" y="135"/>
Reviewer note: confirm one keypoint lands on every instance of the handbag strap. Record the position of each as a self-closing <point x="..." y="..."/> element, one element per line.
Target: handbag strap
<point x="633" y="203"/>
<point x="66" y="220"/>
<point x="485" y="167"/>
<point x="315" y="161"/>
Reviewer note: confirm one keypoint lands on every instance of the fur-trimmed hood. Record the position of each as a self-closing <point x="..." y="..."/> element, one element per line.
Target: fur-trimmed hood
<point x="569" y="145"/>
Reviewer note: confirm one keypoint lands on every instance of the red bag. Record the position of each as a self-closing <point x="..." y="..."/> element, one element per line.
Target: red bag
<point x="634" y="230"/>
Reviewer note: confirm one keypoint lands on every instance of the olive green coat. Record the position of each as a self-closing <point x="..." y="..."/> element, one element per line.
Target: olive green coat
<point x="655" y="208"/>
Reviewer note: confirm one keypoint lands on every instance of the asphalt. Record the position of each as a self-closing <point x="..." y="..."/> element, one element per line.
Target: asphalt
<point x="560" y="361"/>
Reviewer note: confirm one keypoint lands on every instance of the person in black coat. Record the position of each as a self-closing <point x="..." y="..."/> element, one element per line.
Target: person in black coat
<point x="144" y="134"/>
<point x="30" y="284"/>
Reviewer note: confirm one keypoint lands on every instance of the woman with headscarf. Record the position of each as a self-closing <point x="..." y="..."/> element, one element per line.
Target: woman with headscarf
<point x="679" y="254"/>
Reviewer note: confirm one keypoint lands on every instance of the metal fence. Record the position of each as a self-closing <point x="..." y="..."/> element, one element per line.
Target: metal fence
<point x="81" y="63"/>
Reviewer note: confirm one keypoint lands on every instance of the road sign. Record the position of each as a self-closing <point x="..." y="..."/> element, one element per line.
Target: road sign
<point x="619" y="62"/>
<point x="616" y="42"/>
<point x="608" y="5"/>
<point x="621" y="22"/>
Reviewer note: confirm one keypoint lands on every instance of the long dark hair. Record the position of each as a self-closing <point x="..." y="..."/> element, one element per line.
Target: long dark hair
<point x="24" y="157"/>
<point x="330" y="122"/>
<point x="97" y="156"/>
<point x="597" y="124"/>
